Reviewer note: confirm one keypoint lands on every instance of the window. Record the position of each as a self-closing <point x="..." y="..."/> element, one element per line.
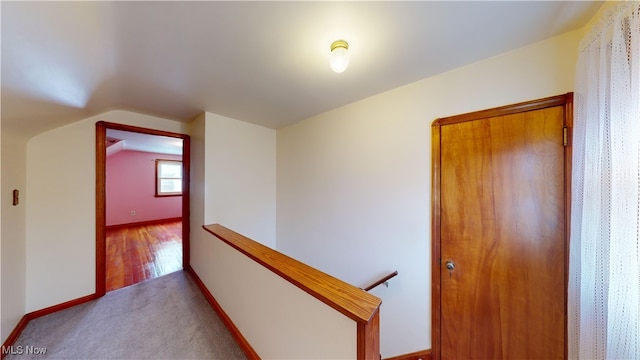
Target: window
<point x="168" y="178"/>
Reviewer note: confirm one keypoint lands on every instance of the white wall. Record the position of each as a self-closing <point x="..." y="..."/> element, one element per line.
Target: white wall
<point x="240" y="172"/>
<point x="60" y="231"/>
<point x="234" y="183"/>
<point x="197" y="189"/>
<point x="353" y="191"/>
<point x="279" y="320"/>
<point x="13" y="247"/>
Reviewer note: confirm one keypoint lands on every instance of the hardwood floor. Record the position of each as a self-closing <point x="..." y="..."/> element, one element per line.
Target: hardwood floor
<point x="142" y="252"/>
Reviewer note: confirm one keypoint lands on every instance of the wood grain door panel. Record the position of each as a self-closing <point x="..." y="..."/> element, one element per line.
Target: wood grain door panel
<point x="502" y="223"/>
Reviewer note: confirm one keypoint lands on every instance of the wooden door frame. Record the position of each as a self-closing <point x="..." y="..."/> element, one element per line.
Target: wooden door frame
<point x="101" y="161"/>
<point x="565" y="100"/>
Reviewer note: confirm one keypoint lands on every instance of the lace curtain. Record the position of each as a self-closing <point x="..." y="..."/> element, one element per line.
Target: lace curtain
<point x="604" y="278"/>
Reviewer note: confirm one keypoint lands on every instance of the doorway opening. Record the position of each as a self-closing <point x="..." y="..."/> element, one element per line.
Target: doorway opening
<point x="142" y="204"/>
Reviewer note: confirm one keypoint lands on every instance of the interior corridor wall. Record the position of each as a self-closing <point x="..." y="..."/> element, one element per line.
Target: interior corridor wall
<point x="60" y="226"/>
<point x="354" y="187"/>
<point x="233" y="183"/>
<point x="13" y="232"/>
<point x="239" y="161"/>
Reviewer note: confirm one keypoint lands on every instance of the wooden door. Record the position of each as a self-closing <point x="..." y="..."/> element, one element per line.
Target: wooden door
<point x="500" y="232"/>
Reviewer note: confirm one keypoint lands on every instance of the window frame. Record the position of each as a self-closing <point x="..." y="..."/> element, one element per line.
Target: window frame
<point x="158" y="179"/>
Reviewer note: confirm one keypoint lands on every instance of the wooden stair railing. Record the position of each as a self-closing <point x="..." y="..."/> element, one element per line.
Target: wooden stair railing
<point x="383" y="280"/>
<point x="358" y="305"/>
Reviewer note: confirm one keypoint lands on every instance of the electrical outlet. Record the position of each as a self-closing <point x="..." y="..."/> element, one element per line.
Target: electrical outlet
<point x="133" y="213"/>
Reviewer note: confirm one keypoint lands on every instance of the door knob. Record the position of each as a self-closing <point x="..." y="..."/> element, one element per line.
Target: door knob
<point x="450" y="265"/>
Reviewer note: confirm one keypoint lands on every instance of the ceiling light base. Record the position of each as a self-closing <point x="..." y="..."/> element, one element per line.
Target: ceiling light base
<point x="339" y="57"/>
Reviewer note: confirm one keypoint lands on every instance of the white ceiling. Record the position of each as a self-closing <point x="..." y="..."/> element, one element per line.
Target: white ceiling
<point x="261" y="62"/>
<point x="134" y="141"/>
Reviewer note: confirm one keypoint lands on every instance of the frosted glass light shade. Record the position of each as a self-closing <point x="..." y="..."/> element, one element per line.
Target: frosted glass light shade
<point x="339" y="57"/>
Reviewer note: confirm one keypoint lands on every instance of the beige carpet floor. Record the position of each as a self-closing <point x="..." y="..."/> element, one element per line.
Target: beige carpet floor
<point x="162" y="318"/>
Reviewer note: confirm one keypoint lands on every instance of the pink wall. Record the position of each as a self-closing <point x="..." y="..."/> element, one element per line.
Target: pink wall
<point x="131" y="187"/>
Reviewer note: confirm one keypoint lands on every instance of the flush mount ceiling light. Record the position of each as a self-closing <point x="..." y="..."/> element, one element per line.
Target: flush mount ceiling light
<point x="339" y="57"/>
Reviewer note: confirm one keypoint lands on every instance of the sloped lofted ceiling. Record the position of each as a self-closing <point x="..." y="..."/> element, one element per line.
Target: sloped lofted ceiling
<point x="118" y="140"/>
<point x="260" y="62"/>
